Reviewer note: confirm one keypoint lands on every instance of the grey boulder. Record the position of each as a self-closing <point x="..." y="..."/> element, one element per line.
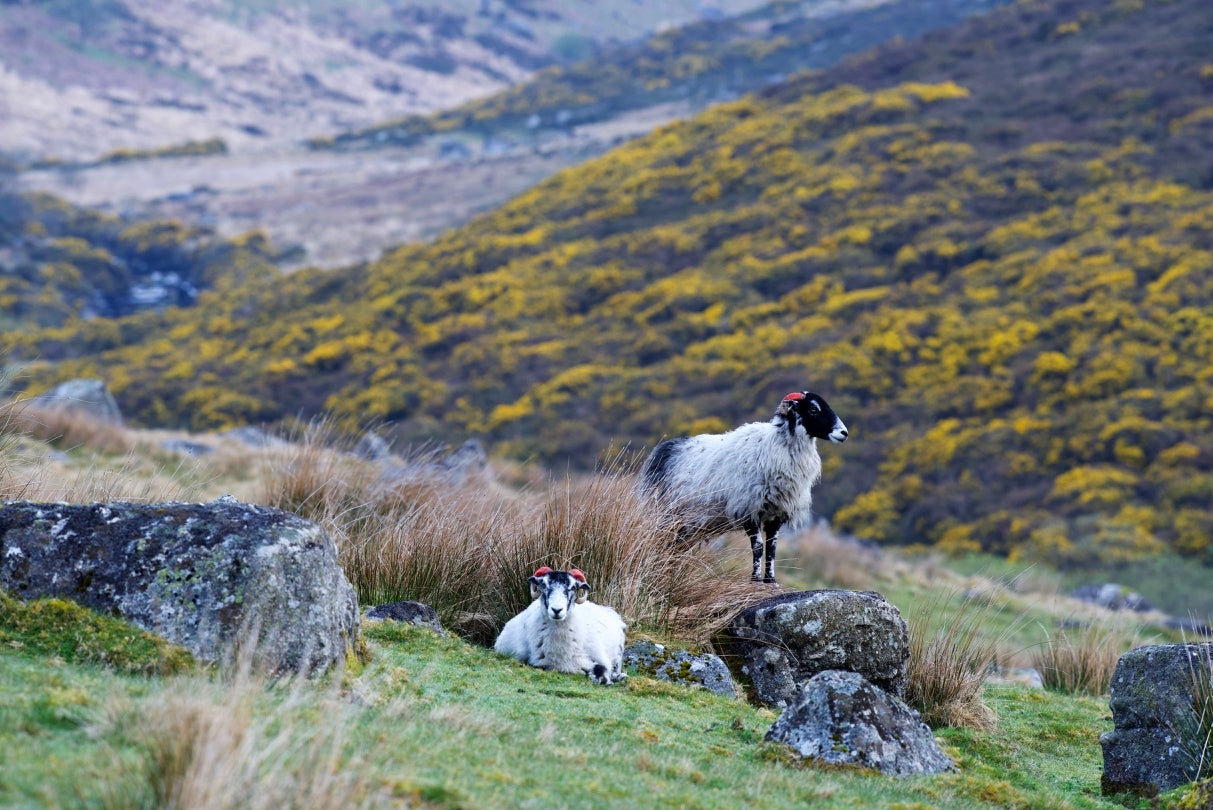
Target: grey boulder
<point x="780" y="643"/>
<point x="843" y="719"/>
<point x="85" y="396"/>
<point x="1111" y="596"/>
<point x="210" y="577"/>
<point x="1155" y="744"/>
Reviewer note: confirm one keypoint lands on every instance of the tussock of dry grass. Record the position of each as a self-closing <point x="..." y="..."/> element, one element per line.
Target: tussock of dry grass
<point x="203" y="746"/>
<point x="467" y="548"/>
<point x="57" y="482"/>
<point x="1197" y="737"/>
<point x="949" y="660"/>
<point x="1081" y="660"/>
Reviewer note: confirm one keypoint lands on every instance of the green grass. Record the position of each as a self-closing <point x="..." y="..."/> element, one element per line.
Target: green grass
<point x="438" y="722"/>
<point x="90" y="715"/>
<point x="63" y="630"/>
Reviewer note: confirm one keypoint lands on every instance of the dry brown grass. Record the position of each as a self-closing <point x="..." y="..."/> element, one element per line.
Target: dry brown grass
<point x="602" y="525"/>
<point x="203" y="746"/>
<point x="1196" y="734"/>
<point x="467" y="548"/>
<point x="67" y="428"/>
<point x="1081" y="659"/>
<point x="827" y="560"/>
<point x="51" y="454"/>
<point x="950" y="656"/>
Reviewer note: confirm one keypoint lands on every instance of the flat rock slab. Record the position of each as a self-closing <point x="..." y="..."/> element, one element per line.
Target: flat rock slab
<point x="842" y="719"/>
<point x="780" y="643"/>
<point x="1156" y="743"/>
<point x="206" y="576"/>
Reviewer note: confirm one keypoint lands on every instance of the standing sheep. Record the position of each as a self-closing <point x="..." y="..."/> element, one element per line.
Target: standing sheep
<point x="562" y="630"/>
<point x="757" y="477"/>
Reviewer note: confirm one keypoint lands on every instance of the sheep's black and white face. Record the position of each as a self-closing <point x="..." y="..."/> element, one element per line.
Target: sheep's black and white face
<point x="559" y="591"/>
<point x="810" y="411"/>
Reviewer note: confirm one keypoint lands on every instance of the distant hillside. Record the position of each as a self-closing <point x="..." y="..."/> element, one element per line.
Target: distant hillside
<point x="456" y="154"/>
<point x="989" y="250"/>
<point x="699" y="63"/>
<point x="80" y="78"/>
<point x="60" y="263"/>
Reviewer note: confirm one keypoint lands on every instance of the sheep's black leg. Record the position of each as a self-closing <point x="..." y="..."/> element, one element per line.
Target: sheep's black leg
<point x="751" y="529"/>
<point x="770" y="529"/>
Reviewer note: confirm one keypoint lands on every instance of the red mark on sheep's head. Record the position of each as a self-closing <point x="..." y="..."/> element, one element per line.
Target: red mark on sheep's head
<point x="795" y="396"/>
<point x="542" y="571"/>
<point x="577" y="575"/>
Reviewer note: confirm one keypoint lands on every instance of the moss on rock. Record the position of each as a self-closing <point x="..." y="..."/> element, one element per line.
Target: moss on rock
<point x="78" y="635"/>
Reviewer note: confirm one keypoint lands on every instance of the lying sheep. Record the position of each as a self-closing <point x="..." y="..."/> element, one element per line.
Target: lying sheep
<point x="562" y="630"/>
<point x="757" y="477"/>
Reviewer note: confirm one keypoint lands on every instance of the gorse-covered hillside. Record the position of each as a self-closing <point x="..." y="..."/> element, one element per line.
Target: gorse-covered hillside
<point x="990" y="250"/>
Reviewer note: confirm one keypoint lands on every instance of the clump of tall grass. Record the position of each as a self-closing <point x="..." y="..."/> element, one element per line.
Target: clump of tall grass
<point x="1195" y="729"/>
<point x="467" y="547"/>
<point x="629" y="549"/>
<point x="29" y="471"/>
<point x="315" y="475"/>
<point x="1081" y="659"/>
<point x="202" y="745"/>
<point x="951" y="654"/>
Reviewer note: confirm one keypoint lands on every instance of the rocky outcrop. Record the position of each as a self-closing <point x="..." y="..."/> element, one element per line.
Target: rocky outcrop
<point x="842" y="719"/>
<point x="1157" y="741"/>
<point x="89" y="397"/>
<point x="702" y="670"/>
<point x="782" y="642"/>
<point x="210" y="577"/>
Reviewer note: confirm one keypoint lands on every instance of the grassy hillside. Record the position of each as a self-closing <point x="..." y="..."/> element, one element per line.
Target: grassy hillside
<point x="988" y="250"/>
<point x="439" y="723"/>
<point x="94" y="713"/>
